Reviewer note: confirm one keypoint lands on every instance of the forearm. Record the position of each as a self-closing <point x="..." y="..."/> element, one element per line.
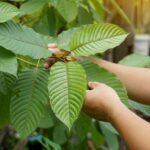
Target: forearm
<point x="136" y="80"/>
<point x="134" y="130"/>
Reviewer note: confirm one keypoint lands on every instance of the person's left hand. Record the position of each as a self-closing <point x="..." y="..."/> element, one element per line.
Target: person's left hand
<point x="101" y="101"/>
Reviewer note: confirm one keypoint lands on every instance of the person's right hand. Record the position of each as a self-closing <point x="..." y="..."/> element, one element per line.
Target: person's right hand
<point x="101" y="101"/>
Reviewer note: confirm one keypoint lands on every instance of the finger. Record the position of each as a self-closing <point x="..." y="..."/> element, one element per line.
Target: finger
<point x="46" y="65"/>
<point x="92" y="85"/>
<point x="54" y="50"/>
<point x="52" y="45"/>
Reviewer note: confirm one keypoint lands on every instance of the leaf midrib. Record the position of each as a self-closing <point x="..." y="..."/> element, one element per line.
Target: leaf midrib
<point x="97" y="41"/>
<point x="67" y="76"/>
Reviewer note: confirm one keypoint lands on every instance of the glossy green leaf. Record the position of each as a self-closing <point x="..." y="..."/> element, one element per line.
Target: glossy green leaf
<point x="136" y="60"/>
<point x="24" y="41"/>
<point x="67" y="87"/>
<point x="8" y="62"/>
<point x="7" y="11"/>
<point x="96" y="73"/>
<point x="30" y="96"/>
<point x="96" y="38"/>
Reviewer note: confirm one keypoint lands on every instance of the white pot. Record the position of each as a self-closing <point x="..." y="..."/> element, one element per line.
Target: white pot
<point x="142" y="44"/>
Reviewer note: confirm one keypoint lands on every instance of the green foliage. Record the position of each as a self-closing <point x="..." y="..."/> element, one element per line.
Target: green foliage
<point x="7" y="11"/>
<point x="8" y="62"/>
<point x="23" y="41"/>
<point x="136" y="60"/>
<point x="96" y="73"/>
<point x="6" y="85"/>
<point x="47" y="121"/>
<point x="29" y="100"/>
<point x="96" y="38"/>
<point x="36" y="99"/>
<point x="67" y="8"/>
<point x="32" y="6"/>
<point x="67" y="86"/>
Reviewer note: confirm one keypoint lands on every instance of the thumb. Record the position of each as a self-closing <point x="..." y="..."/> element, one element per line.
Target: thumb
<point x="92" y="85"/>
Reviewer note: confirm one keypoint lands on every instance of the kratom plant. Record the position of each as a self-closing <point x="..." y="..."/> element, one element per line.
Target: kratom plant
<point x="66" y="82"/>
<point x="30" y="95"/>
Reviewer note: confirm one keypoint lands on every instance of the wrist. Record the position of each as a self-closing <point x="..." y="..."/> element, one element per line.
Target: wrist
<point x="116" y="111"/>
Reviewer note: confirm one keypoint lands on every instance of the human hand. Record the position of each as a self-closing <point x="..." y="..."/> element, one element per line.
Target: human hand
<point x="101" y="101"/>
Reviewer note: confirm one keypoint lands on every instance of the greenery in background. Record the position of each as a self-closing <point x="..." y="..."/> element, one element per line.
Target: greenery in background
<point x="34" y="99"/>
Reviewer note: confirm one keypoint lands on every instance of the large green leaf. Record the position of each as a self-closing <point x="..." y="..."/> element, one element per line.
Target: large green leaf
<point x="64" y="38"/>
<point x="67" y="8"/>
<point x="8" y="62"/>
<point x="6" y="84"/>
<point x="24" y="41"/>
<point x="96" y="38"/>
<point x="136" y="60"/>
<point x="7" y="11"/>
<point x="96" y="73"/>
<point x="67" y="86"/>
<point x="32" y="6"/>
<point x="30" y="96"/>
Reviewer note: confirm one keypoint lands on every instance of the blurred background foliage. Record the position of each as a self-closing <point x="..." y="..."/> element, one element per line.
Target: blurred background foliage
<point x="51" y="17"/>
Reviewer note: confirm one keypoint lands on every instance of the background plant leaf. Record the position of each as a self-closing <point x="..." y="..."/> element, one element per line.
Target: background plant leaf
<point x="67" y="8"/>
<point x="32" y="6"/>
<point x="136" y="60"/>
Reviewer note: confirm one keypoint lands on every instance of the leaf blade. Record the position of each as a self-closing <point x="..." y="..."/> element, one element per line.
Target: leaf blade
<point x="67" y="86"/>
<point x="24" y="41"/>
<point x="96" y="38"/>
<point x="96" y="73"/>
<point x="28" y="101"/>
<point x="7" y="11"/>
<point x="8" y="62"/>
